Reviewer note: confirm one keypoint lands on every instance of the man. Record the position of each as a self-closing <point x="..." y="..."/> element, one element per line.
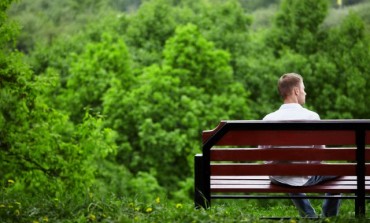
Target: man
<point x="292" y="90"/>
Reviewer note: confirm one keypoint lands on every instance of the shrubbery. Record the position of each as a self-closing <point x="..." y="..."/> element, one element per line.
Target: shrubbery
<point x="118" y="107"/>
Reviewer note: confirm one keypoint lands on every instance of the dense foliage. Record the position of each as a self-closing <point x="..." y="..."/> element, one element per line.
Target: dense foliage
<point x="41" y="149"/>
<point x="96" y="98"/>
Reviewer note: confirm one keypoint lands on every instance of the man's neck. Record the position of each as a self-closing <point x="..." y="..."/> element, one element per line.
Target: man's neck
<point x="290" y="100"/>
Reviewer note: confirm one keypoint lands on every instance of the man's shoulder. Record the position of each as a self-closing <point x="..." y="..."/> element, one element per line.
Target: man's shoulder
<point x="311" y="113"/>
<point x="269" y="116"/>
<point x="296" y="113"/>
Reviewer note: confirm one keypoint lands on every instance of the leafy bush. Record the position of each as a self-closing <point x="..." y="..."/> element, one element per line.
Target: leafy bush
<point x="41" y="150"/>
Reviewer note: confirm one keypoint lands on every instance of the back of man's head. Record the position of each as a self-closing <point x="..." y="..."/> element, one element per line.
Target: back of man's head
<point x="287" y="82"/>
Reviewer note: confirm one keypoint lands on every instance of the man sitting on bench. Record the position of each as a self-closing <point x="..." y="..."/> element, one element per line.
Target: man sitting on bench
<point x="292" y="90"/>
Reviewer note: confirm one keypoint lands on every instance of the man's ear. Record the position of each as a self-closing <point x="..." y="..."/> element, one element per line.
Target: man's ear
<point x="296" y="90"/>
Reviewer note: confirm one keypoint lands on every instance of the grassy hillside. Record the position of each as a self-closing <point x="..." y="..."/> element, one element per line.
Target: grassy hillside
<point x="262" y="18"/>
<point x="336" y="15"/>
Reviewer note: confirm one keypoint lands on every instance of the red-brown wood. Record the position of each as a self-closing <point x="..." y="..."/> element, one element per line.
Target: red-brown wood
<point x="249" y="177"/>
<point x="344" y="184"/>
<point x="281" y="189"/>
<point x="345" y="169"/>
<point x="208" y="133"/>
<point x="258" y="154"/>
<point x="287" y="137"/>
<point x="268" y="182"/>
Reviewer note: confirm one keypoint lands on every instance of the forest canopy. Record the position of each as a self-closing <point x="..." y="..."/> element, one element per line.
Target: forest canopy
<point x="113" y="95"/>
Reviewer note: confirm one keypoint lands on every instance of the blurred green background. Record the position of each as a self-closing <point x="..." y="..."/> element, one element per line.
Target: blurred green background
<point x="112" y="96"/>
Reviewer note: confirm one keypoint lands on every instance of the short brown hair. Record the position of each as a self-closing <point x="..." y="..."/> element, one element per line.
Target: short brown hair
<point x="287" y="82"/>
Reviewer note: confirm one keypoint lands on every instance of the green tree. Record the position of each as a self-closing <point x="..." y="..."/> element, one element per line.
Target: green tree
<point x="297" y="25"/>
<point x="92" y="72"/>
<point x="148" y="31"/>
<point x="84" y="71"/>
<point x="254" y="5"/>
<point x="44" y="21"/>
<point x="195" y="63"/>
<point x="340" y="78"/>
<point x="40" y="148"/>
<point x="225" y="24"/>
<point x="163" y="115"/>
<point x="80" y="74"/>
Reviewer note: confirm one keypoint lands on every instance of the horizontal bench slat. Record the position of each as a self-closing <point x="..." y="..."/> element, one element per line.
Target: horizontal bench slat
<point x="345" y="169"/>
<point x="287" y="137"/>
<point x="281" y="189"/>
<point x="268" y="182"/>
<point x="299" y="154"/>
<point x="241" y="182"/>
<point x="250" y="177"/>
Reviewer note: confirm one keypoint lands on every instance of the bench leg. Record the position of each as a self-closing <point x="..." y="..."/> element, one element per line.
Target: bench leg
<point x="360" y="172"/>
<point x="360" y="206"/>
<point x="200" y="199"/>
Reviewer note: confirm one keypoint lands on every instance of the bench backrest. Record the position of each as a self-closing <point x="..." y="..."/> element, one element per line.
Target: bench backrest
<point x="232" y="148"/>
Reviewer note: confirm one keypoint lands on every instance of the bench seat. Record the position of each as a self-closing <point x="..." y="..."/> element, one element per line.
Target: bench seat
<point x="262" y="184"/>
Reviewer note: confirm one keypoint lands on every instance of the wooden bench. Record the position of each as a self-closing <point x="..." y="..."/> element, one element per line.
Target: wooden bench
<point x="232" y="165"/>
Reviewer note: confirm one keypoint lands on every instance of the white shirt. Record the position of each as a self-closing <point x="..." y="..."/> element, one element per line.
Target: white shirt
<point x="292" y="111"/>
